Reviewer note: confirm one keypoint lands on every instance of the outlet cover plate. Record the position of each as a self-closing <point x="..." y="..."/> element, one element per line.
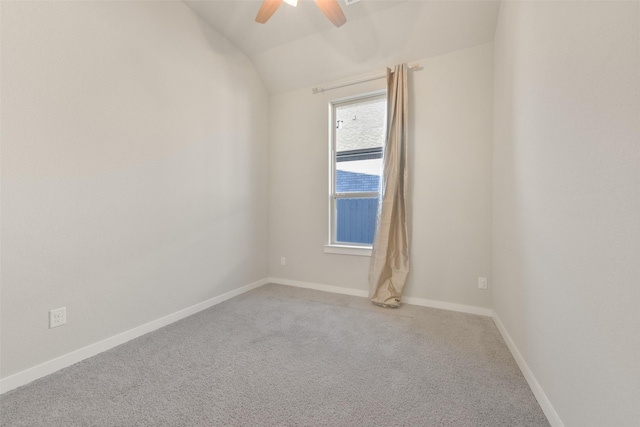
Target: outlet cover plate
<point x="57" y="317"/>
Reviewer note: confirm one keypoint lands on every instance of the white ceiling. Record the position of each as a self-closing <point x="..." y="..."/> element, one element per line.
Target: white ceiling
<point x="299" y="47"/>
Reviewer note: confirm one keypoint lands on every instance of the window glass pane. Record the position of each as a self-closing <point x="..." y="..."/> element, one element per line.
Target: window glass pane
<point x="360" y="134"/>
<point x="358" y="175"/>
<point x="360" y="124"/>
<point x="356" y="220"/>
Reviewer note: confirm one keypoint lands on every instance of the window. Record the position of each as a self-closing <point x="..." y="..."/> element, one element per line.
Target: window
<point x="356" y="146"/>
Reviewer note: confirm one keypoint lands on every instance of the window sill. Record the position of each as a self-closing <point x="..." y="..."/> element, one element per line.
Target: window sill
<point x="348" y="250"/>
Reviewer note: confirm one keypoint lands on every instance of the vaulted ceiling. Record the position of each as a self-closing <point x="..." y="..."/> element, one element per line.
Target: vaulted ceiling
<point x="298" y="47"/>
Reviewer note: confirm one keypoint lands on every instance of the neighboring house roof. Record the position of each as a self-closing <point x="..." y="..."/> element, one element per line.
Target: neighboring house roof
<point x="356" y="182"/>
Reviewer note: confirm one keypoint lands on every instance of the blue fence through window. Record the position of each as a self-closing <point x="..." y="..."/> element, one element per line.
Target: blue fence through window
<point x="356" y="220"/>
<point x="356" y="217"/>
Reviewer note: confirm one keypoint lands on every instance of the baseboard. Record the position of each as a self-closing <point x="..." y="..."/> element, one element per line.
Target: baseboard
<point x="443" y="305"/>
<point x="470" y="309"/>
<point x="536" y="388"/>
<point x="51" y="366"/>
<point x="319" y="287"/>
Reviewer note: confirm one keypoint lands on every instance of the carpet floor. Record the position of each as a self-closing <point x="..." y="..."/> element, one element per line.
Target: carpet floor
<point x="283" y="356"/>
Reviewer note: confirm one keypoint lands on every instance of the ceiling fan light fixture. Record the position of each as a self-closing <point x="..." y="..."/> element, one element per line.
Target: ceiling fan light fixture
<point x="330" y="8"/>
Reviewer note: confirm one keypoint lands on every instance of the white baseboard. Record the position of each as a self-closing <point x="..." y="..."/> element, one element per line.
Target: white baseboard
<point x="470" y="309"/>
<point x="536" y="388"/>
<point x="51" y="366"/>
<point x="462" y="308"/>
<point x="319" y="287"/>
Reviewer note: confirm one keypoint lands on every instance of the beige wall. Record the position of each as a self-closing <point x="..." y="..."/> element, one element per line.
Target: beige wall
<point x="450" y="152"/>
<point x="134" y="177"/>
<point x="566" y="239"/>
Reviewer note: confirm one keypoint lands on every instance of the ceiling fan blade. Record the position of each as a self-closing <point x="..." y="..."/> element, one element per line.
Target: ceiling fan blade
<point x="267" y="9"/>
<point x="331" y="10"/>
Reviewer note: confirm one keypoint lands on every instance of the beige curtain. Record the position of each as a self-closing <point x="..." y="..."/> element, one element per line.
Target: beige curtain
<point x="390" y="256"/>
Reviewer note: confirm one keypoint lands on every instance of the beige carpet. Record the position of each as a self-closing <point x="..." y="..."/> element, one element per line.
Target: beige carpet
<point x="282" y="356"/>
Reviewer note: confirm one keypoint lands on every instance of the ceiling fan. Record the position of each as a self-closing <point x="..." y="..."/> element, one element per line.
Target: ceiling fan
<point x="330" y="8"/>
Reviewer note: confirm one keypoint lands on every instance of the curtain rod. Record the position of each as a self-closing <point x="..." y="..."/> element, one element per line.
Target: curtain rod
<point x="320" y="89"/>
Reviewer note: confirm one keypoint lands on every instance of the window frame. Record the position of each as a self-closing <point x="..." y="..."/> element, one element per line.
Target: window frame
<point x="334" y="246"/>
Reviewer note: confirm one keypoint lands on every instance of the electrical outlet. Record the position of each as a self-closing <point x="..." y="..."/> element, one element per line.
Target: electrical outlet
<point x="57" y="317"/>
<point x="482" y="282"/>
<point x="283" y="261"/>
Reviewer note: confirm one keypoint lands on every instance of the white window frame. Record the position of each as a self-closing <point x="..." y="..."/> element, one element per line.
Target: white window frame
<point x="333" y="245"/>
